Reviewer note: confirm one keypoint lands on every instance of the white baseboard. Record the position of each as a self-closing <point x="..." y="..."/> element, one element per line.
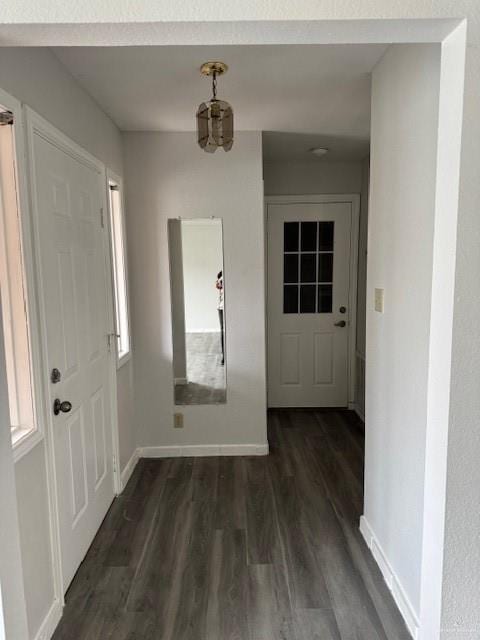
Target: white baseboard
<point x="359" y="413"/>
<point x="190" y="451"/>
<point x="199" y="450"/>
<point x="128" y="470"/>
<point x="401" y="599"/>
<point x="180" y="380"/>
<point x="50" y="622"/>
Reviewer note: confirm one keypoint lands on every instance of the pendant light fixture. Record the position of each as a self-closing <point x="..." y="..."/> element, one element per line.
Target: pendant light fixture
<point x="215" y="117"/>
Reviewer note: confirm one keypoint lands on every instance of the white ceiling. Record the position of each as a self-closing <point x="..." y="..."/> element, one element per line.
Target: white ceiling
<point x="281" y="146"/>
<point x="322" y="90"/>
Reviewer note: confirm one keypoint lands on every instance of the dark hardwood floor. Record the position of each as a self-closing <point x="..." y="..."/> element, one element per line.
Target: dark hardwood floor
<point x="252" y="548"/>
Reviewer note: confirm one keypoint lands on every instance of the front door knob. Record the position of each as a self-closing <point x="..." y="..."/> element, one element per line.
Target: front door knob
<point x="64" y="406"/>
<point x="341" y="323"/>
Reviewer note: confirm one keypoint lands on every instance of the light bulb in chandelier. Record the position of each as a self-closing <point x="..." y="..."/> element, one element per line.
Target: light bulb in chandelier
<point x="215" y="117"/>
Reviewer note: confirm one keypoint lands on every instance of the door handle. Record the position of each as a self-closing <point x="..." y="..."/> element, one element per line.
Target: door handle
<point x="341" y="323"/>
<point x="64" y="406"/>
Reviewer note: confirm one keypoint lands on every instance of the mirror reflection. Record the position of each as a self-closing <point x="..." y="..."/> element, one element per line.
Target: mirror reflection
<point x="198" y="323"/>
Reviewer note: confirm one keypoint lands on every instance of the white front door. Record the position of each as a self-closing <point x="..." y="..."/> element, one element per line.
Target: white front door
<point x="67" y="199"/>
<point x="308" y="303"/>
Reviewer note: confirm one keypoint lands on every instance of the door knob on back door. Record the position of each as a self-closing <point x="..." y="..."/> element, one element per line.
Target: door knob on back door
<point x="341" y="323"/>
<point x="64" y="406"/>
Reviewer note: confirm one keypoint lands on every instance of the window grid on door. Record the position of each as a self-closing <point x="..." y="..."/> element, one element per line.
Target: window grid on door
<point x="308" y="250"/>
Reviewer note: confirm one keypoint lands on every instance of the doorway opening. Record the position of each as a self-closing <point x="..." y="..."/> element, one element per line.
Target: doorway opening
<point x="303" y="300"/>
<point x="312" y="247"/>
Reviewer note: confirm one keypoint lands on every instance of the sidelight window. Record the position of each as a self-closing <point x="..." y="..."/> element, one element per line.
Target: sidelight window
<point x="13" y="290"/>
<point x="119" y="264"/>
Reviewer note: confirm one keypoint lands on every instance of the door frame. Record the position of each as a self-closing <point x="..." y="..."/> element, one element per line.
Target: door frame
<point x="354" y="200"/>
<point x="35" y="124"/>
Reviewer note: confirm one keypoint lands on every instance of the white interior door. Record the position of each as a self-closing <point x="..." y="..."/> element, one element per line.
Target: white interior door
<point x="68" y="193"/>
<point x="308" y="304"/>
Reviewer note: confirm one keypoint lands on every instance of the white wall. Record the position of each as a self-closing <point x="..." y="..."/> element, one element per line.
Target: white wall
<point x="170" y="176"/>
<point x="36" y="77"/>
<point x="303" y="178"/>
<point x="202" y="260"/>
<point x="405" y="93"/>
<point x="13" y="615"/>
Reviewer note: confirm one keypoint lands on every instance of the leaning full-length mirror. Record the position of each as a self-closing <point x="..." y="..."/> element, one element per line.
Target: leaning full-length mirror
<point x="198" y="300"/>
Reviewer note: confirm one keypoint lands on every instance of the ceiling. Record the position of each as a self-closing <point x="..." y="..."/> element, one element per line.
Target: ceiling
<point x="319" y="90"/>
<point x="281" y="146"/>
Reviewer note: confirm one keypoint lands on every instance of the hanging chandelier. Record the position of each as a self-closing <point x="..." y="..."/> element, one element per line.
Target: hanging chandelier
<point x="215" y="117"/>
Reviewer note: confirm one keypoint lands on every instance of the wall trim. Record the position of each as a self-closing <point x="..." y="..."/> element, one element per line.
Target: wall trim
<point x="393" y="583"/>
<point x="128" y="469"/>
<point x="50" y="622"/>
<point x="199" y="450"/>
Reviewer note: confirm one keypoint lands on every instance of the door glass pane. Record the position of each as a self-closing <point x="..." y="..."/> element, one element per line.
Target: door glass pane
<point x="290" y="298"/>
<point x="309" y="236"/>
<point x="325" y="267"/>
<point x="308" y="267"/>
<point x="325" y="241"/>
<point x="290" y="267"/>
<point x="290" y="236"/>
<point x="307" y="298"/>
<point x="325" y="298"/>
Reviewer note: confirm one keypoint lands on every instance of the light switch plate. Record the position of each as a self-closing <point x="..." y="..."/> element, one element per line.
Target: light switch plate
<point x="379" y="300"/>
<point x="178" y="420"/>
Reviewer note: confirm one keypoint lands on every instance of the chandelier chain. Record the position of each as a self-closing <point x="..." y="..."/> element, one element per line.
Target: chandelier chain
<point x="214" y="85"/>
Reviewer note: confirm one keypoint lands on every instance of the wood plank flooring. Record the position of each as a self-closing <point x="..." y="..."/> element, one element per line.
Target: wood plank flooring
<point x="252" y="548"/>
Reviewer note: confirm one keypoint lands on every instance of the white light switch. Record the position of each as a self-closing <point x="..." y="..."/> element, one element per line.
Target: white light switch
<point x="379" y="296"/>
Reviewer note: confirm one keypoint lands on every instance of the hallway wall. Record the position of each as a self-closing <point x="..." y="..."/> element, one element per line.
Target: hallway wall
<point x="37" y="78"/>
<point x="405" y="93"/>
<point x="170" y="176"/>
<point x="314" y="177"/>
